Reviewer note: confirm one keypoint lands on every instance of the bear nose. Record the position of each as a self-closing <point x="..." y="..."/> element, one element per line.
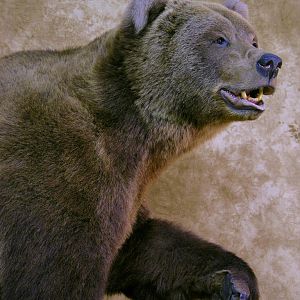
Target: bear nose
<point x="268" y="65"/>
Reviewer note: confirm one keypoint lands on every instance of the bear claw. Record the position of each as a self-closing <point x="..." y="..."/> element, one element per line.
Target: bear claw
<point x="233" y="290"/>
<point x="226" y="286"/>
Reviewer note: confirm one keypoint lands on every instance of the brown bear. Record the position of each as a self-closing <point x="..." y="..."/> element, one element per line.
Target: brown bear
<point x="82" y="133"/>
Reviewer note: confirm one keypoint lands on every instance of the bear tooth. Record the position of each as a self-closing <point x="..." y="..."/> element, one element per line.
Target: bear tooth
<point x="244" y="95"/>
<point x="261" y="93"/>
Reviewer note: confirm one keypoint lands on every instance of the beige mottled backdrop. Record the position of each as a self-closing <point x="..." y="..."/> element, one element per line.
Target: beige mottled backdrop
<point x="241" y="189"/>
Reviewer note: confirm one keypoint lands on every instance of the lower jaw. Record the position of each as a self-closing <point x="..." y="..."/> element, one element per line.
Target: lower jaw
<point x="242" y="113"/>
<point x="241" y="109"/>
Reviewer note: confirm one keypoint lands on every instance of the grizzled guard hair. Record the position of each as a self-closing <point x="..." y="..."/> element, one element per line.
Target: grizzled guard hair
<point x="84" y="131"/>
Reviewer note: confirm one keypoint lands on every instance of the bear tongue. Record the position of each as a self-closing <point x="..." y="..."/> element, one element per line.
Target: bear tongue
<point x="243" y="102"/>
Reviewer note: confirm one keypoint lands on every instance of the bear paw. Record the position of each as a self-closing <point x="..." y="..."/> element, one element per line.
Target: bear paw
<point x="231" y="287"/>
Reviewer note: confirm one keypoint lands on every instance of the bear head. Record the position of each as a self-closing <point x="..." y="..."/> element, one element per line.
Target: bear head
<point x="196" y="63"/>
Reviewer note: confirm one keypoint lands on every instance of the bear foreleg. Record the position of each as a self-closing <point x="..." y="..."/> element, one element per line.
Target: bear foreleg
<point x="161" y="261"/>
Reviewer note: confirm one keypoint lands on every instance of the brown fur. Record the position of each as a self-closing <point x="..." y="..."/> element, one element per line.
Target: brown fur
<point x="83" y="131"/>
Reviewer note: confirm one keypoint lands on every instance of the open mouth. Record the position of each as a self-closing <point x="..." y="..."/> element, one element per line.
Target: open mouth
<point x="247" y="99"/>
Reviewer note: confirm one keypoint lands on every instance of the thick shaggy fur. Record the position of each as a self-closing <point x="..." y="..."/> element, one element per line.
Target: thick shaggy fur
<point x="83" y="131"/>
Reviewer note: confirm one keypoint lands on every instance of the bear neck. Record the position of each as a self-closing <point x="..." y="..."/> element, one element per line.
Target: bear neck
<point x="138" y="145"/>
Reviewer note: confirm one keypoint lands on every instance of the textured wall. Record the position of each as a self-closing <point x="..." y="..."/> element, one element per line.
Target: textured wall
<point x="241" y="189"/>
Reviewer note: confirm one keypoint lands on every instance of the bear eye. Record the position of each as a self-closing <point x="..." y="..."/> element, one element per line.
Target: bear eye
<point x="255" y="44"/>
<point x="222" y="42"/>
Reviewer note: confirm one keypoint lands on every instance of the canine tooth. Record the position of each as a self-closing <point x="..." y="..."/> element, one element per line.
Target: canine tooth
<point x="244" y="95"/>
<point x="261" y="93"/>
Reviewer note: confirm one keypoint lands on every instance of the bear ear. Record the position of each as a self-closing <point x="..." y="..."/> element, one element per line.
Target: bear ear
<point x="238" y="6"/>
<point x="140" y="13"/>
